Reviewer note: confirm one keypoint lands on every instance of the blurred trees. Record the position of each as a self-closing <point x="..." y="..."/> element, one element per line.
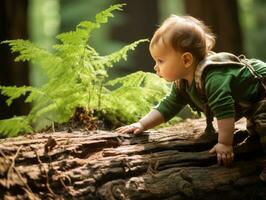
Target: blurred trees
<point x="141" y="20"/>
<point x="44" y="22"/>
<point x="253" y="20"/>
<point x="229" y="20"/>
<point x="223" y="19"/>
<point x="13" y="25"/>
<point x="257" y="40"/>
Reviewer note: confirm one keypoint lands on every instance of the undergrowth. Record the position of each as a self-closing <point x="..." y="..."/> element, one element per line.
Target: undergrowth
<point x="77" y="78"/>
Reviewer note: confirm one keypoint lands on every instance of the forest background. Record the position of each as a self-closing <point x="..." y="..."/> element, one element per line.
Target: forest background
<point x="240" y="26"/>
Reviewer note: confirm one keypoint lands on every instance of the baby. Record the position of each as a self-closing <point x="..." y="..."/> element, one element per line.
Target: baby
<point x="221" y="85"/>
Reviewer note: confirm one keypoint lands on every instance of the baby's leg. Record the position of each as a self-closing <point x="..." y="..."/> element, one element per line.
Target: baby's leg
<point x="256" y="124"/>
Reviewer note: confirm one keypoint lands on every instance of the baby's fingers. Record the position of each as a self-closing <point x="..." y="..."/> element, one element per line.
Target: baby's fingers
<point x="125" y="129"/>
<point x="120" y="129"/>
<point x="137" y="131"/>
<point x="227" y="159"/>
<point x="230" y="159"/>
<point x="219" y="158"/>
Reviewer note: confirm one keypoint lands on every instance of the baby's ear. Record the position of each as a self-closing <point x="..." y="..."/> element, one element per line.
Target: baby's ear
<point x="188" y="59"/>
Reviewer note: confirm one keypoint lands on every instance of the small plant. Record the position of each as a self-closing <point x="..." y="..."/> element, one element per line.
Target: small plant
<point x="77" y="78"/>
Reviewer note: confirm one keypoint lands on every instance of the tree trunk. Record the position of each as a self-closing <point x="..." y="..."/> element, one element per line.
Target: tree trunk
<point x="222" y="17"/>
<point x="13" y="25"/>
<point x="171" y="163"/>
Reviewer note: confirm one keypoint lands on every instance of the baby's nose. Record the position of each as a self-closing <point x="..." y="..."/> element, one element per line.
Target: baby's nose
<point x="155" y="68"/>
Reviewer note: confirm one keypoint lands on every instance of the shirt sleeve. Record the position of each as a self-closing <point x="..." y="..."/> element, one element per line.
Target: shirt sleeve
<point x="218" y="91"/>
<point x="171" y="104"/>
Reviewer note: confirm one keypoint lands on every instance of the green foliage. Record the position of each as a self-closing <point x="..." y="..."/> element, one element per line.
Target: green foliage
<point x="133" y="97"/>
<point x="77" y="77"/>
<point x="11" y="127"/>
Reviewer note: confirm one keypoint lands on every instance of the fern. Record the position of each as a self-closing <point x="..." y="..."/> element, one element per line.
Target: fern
<point x="11" y="127"/>
<point x="77" y="77"/>
<point x="134" y="96"/>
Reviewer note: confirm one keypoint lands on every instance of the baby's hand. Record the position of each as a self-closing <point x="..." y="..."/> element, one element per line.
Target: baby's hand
<point x="136" y="128"/>
<point x="225" y="154"/>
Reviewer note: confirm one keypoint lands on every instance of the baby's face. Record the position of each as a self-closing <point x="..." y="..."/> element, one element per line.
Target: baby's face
<point x="169" y="63"/>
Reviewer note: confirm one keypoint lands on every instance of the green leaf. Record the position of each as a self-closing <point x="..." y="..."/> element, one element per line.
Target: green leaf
<point x="14" y="92"/>
<point x="12" y="127"/>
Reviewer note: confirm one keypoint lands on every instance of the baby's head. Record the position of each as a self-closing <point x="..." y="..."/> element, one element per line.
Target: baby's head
<point x="185" y="34"/>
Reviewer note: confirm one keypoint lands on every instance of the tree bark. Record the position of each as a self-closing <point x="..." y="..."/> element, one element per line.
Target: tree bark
<point x="13" y="25"/>
<point x="163" y="164"/>
<point x="222" y="17"/>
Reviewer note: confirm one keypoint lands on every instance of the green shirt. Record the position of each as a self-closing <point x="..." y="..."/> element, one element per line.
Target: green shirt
<point x="224" y="86"/>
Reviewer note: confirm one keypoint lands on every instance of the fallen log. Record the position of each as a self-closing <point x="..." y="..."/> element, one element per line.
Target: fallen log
<point x="169" y="163"/>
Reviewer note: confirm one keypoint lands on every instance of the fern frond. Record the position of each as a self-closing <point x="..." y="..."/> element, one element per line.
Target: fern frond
<point x="109" y="60"/>
<point x="13" y="126"/>
<point x="153" y="82"/>
<point x="14" y="92"/>
<point x="103" y="16"/>
<point x="83" y="30"/>
<point x="28" y="51"/>
<point x="132" y="96"/>
<point x="74" y="37"/>
<point x="132" y="80"/>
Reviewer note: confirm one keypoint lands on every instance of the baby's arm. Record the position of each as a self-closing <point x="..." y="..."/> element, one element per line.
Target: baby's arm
<point x="226" y="131"/>
<point x="152" y="119"/>
<point x="169" y="106"/>
<point x="224" y="148"/>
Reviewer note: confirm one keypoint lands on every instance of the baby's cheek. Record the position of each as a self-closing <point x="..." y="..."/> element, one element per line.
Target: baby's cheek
<point x="170" y="74"/>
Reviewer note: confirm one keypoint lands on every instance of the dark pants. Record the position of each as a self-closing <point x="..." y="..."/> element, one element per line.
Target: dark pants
<point x="256" y="121"/>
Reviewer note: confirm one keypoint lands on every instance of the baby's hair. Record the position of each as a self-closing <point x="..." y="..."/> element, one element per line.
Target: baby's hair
<point x="185" y="34"/>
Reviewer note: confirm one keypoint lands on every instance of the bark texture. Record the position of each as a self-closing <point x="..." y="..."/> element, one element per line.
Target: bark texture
<point x="170" y="163"/>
